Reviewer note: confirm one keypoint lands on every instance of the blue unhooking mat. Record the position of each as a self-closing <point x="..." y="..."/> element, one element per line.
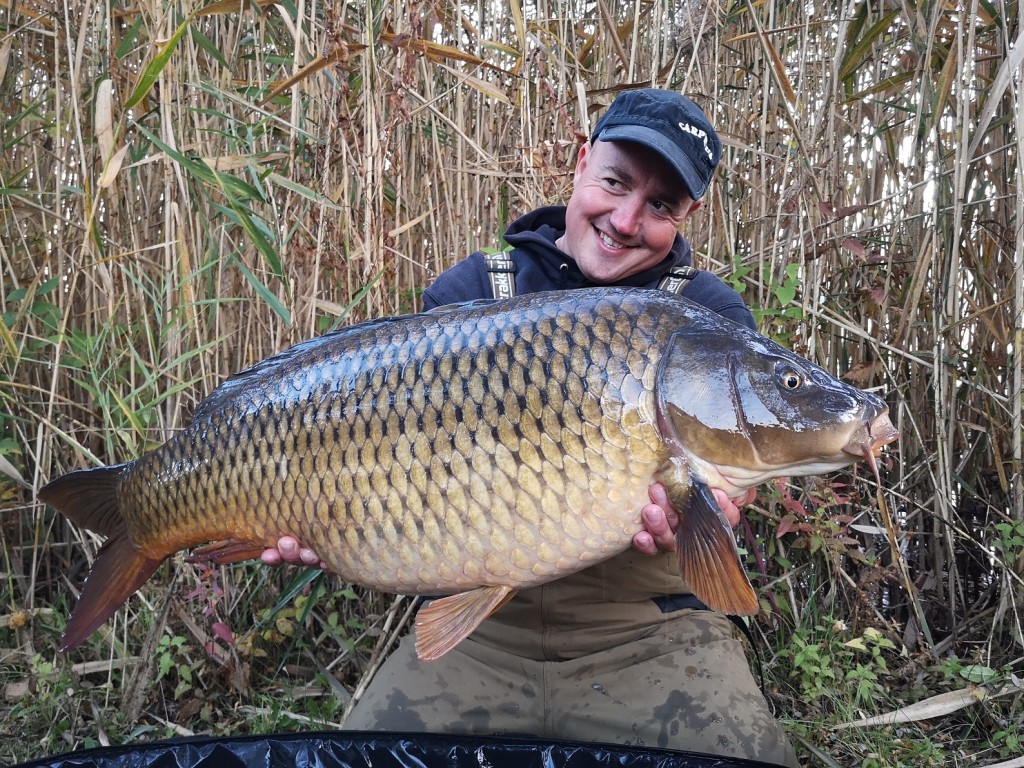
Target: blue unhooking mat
<point x="353" y="749"/>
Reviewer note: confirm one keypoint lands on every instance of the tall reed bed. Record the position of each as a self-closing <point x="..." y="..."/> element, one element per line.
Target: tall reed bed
<point x="187" y="189"/>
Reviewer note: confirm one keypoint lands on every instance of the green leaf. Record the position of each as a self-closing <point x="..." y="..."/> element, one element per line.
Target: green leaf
<point x="360" y="294"/>
<point x="859" y="53"/>
<point x="128" y="39"/>
<point x="785" y="293"/>
<point x="257" y="232"/>
<point x="165" y="663"/>
<point x="236" y="191"/>
<point x="265" y="293"/>
<point x="976" y="673"/>
<point x="207" y="45"/>
<point x="303" y="191"/>
<point x="152" y="71"/>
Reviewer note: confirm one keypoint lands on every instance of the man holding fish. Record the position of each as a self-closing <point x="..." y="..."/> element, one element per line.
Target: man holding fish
<point x="620" y="652"/>
<point x="497" y="455"/>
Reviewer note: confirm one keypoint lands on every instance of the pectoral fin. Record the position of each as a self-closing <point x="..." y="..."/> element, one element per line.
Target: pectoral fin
<point x="446" y="622"/>
<point x="708" y="559"/>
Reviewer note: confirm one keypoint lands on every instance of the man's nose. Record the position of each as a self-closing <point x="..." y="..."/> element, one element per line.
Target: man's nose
<point x="626" y="216"/>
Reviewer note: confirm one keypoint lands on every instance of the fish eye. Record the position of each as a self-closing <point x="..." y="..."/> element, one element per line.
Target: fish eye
<point x="791" y="378"/>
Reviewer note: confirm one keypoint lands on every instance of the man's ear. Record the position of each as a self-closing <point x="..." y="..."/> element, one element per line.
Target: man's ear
<point x="581" y="158"/>
<point x="695" y="206"/>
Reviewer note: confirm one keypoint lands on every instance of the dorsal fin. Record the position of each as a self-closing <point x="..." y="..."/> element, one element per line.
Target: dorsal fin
<point x="237" y="383"/>
<point x="88" y="497"/>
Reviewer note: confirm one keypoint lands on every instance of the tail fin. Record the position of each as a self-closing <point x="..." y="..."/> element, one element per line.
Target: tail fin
<point x="88" y="497"/>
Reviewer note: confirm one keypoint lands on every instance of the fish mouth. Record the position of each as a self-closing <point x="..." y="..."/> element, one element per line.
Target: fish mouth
<point x="867" y="441"/>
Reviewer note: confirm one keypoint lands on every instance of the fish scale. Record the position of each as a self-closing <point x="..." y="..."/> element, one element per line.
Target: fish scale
<point x="471" y="451"/>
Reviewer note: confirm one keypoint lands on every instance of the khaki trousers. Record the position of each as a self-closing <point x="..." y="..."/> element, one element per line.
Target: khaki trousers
<point x="677" y="681"/>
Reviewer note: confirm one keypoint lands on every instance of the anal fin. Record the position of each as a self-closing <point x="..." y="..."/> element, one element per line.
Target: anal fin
<point x="226" y="552"/>
<point x="708" y="559"/>
<point x="447" y="621"/>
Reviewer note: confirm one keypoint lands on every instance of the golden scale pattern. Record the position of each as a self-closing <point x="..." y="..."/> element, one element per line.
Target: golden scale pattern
<point x="443" y="451"/>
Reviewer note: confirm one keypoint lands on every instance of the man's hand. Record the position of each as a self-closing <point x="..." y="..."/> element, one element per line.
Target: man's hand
<point x="661" y="520"/>
<point x="290" y="551"/>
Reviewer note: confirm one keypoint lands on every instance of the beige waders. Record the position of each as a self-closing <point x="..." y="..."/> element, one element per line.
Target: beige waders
<point x="590" y="657"/>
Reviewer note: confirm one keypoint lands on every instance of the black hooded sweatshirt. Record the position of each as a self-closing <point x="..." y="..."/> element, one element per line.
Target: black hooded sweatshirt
<point x="541" y="266"/>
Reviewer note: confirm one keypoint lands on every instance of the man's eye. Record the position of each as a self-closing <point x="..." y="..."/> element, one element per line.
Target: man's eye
<point x="662" y="208"/>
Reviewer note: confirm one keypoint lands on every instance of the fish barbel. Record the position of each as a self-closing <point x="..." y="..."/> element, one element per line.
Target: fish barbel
<point x="476" y="450"/>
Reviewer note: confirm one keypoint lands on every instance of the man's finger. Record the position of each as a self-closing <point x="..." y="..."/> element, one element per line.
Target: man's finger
<point x="659" y="496"/>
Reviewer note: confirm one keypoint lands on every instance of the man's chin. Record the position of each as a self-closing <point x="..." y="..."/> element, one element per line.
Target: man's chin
<point x="608" y="276"/>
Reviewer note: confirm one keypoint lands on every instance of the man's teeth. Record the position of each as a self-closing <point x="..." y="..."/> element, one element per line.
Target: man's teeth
<point x="608" y="241"/>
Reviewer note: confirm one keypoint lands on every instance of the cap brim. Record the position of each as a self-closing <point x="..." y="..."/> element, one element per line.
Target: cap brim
<point x="695" y="185"/>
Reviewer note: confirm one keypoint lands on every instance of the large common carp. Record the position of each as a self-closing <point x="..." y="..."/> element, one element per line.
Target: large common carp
<point x="476" y="450"/>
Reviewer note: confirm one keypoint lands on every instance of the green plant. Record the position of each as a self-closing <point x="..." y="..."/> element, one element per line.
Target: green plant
<point x="1009" y="741"/>
<point x="173" y="661"/>
<point x="829" y="666"/>
<point x="188" y="194"/>
<point x="1010" y="541"/>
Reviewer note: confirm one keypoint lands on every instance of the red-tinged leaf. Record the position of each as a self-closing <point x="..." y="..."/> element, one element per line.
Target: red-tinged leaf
<point x="190" y="708"/>
<point x="849" y="210"/>
<point x="195" y="594"/>
<point x="786" y="525"/>
<point x="863" y="372"/>
<point x="827" y="211"/>
<point x="793" y="506"/>
<point x="790" y="199"/>
<point x="855" y="247"/>
<point x="223" y="632"/>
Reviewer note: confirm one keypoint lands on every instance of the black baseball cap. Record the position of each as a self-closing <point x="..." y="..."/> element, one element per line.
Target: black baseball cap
<point x="671" y="125"/>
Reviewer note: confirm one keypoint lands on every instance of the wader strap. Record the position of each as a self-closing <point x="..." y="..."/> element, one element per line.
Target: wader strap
<point x="677" y="278"/>
<point x="502" y="272"/>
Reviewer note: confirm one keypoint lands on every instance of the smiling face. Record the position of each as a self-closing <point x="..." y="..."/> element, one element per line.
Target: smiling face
<point x="625" y="210"/>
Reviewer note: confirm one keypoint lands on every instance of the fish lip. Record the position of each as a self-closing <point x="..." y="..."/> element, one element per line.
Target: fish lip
<point x="872" y="436"/>
<point x="867" y="441"/>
